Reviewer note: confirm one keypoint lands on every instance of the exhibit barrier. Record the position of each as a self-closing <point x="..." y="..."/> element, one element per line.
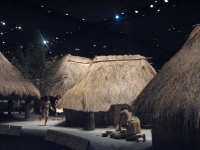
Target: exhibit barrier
<point x="68" y="140"/>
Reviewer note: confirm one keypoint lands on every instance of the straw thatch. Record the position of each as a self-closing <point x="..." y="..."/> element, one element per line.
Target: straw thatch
<point x="170" y="102"/>
<point x="68" y="72"/>
<point x="13" y="84"/>
<point x="110" y="80"/>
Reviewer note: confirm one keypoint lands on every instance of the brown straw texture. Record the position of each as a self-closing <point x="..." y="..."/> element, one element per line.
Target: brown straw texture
<point x="68" y="73"/>
<point x="110" y="80"/>
<point x="170" y="102"/>
<point x="12" y="83"/>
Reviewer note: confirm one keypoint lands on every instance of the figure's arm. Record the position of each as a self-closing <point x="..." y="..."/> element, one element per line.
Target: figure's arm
<point x="41" y="105"/>
<point x="51" y="106"/>
<point x="119" y="128"/>
<point x="120" y="120"/>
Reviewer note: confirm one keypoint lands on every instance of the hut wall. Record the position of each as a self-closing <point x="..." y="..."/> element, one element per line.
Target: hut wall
<point x="167" y="135"/>
<point x="102" y="119"/>
<point x="3" y="105"/>
<point x="76" y="118"/>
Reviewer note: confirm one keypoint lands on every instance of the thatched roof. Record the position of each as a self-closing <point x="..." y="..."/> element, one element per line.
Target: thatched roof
<point x="110" y="80"/>
<point x="68" y="72"/>
<point x="176" y="87"/>
<point x="12" y="83"/>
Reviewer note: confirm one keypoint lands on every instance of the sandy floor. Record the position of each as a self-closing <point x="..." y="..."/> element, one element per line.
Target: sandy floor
<point x="33" y="134"/>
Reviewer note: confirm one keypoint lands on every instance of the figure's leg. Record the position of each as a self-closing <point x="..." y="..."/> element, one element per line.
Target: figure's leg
<point x="132" y="137"/>
<point x="142" y="136"/>
<point x="56" y="115"/>
<point x="46" y="118"/>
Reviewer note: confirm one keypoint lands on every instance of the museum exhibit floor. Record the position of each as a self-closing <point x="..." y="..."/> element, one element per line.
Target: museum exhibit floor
<point x="33" y="137"/>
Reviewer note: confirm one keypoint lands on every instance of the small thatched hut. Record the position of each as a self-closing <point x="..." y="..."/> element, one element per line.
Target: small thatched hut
<point x="110" y="80"/>
<point x="171" y="101"/>
<point x="13" y="86"/>
<point x="67" y="74"/>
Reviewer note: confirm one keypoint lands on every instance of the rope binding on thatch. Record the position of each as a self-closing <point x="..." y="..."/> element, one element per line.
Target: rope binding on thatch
<point x="110" y="60"/>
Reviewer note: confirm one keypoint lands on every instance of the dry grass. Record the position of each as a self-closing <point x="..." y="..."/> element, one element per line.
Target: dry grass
<point x="171" y="99"/>
<point x="109" y="80"/>
<point x="68" y="72"/>
<point x="13" y="84"/>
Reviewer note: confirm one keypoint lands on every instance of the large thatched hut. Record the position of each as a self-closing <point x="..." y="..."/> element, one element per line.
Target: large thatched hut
<point x="13" y="86"/>
<point x="67" y="74"/>
<point x="111" y="81"/>
<point x="171" y="101"/>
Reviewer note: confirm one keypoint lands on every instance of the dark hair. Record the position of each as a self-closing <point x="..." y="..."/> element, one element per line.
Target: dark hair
<point x="124" y="108"/>
<point x="58" y="96"/>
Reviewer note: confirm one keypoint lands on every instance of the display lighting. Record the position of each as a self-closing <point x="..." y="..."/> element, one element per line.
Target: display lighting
<point x="151" y="6"/>
<point x="166" y="1"/>
<point x="136" y="11"/>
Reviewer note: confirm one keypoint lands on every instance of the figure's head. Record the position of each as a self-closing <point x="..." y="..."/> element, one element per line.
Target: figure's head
<point x="58" y="96"/>
<point x="47" y="99"/>
<point x="124" y="108"/>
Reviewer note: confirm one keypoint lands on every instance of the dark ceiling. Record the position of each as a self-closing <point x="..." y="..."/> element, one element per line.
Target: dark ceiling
<point x="156" y="29"/>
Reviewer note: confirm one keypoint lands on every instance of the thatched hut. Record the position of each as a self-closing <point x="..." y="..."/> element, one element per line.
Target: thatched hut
<point x="171" y="101"/>
<point x="67" y="74"/>
<point x="13" y="86"/>
<point x="110" y="80"/>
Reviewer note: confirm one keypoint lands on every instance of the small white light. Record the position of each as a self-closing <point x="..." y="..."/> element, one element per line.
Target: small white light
<point x="3" y="42"/>
<point x="94" y="45"/>
<point x="151" y="6"/>
<point x="136" y="11"/>
<point x="20" y="27"/>
<point x="122" y="13"/>
<point x="158" y="10"/>
<point x="67" y="14"/>
<point x="166" y="1"/>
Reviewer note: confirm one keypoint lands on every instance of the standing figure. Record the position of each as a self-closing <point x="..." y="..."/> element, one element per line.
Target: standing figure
<point x="44" y="108"/>
<point x="58" y="110"/>
<point x="133" y="127"/>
